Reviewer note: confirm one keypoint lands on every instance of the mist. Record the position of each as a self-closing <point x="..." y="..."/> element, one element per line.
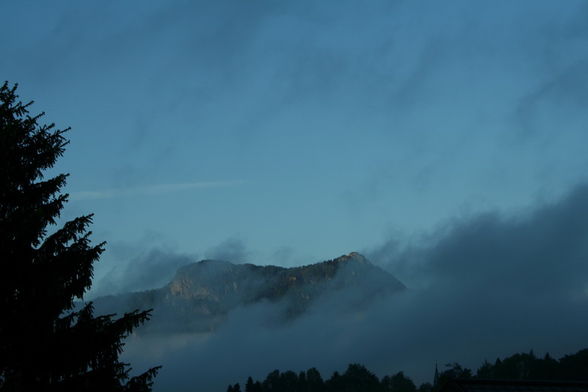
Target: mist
<point x="478" y="288"/>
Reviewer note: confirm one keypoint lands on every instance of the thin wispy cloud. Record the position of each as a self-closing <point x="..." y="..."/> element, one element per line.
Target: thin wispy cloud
<point x="150" y="190"/>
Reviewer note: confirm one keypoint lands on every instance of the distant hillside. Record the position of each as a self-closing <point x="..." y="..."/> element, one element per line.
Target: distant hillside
<point x="201" y="294"/>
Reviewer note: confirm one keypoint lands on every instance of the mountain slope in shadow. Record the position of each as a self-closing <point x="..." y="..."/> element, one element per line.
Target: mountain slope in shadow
<point x="201" y="295"/>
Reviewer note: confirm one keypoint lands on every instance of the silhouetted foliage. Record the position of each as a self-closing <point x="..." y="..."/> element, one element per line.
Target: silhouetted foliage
<point x="573" y="366"/>
<point x="44" y="344"/>
<point x="250" y="385"/>
<point x="398" y="383"/>
<point x="314" y="380"/>
<point x="359" y="379"/>
<point x="453" y="371"/>
<point x="289" y="381"/>
<point x="425" y="387"/>
<point x="529" y="367"/>
<point x="234" y="388"/>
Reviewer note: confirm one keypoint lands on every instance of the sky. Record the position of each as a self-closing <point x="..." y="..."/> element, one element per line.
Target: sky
<point x="300" y="131"/>
<point x="444" y="140"/>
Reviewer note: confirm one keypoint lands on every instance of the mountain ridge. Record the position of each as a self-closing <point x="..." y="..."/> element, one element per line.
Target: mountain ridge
<point x="201" y="295"/>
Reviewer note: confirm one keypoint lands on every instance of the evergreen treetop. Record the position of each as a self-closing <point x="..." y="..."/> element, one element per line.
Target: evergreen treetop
<point x="45" y="344"/>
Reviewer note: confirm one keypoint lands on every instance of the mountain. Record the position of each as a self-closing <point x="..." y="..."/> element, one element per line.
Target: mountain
<point x="202" y="294"/>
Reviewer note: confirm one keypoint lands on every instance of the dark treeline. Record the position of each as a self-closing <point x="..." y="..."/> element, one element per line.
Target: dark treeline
<point x="359" y="378"/>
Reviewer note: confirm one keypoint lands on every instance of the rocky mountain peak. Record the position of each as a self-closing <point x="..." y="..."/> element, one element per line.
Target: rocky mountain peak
<point x="353" y="256"/>
<point x="202" y="294"/>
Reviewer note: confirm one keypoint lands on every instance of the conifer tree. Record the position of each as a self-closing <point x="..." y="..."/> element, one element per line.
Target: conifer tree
<point x="249" y="385"/>
<point x="46" y="344"/>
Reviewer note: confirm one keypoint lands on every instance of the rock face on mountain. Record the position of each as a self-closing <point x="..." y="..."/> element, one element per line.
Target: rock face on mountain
<point x="202" y="294"/>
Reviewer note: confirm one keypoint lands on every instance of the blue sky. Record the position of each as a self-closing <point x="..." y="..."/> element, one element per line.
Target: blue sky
<point x="291" y="132"/>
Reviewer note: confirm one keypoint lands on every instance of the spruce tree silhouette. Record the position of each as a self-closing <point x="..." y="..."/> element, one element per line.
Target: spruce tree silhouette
<point x="44" y="344"/>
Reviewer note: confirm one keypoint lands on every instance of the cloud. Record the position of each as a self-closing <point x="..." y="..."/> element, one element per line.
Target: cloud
<point x="482" y="287"/>
<point x="150" y="190"/>
<point x="139" y="267"/>
<point x="540" y="250"/>
<point x="232" y="249"/>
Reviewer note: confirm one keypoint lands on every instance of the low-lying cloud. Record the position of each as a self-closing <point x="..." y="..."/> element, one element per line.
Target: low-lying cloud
<point x="232" y="249"/>
<point x="480" y="288"/>
<point x="143" y="271"/>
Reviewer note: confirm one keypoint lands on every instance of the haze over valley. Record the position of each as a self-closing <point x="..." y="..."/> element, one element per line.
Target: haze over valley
<point x="481" y="288"/>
